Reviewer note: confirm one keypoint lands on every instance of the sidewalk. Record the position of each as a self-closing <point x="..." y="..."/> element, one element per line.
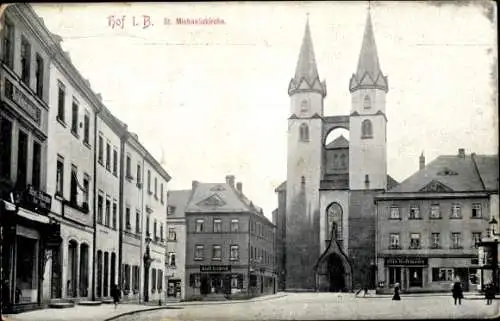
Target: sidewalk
<point x="106" y="312"/>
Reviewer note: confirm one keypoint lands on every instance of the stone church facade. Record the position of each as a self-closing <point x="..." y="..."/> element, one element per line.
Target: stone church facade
<point x="327" y="201"/>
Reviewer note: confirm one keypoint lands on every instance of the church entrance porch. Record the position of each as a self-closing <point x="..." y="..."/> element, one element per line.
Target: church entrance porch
<point x="333" y="273"/>
<point x="336" y="274"/>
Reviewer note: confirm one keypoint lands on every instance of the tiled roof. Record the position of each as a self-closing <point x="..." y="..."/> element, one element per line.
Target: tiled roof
<point x="452" y="173"/>
<point x="391" y="182"/>
<point x="487" y="166"/>
<point x="177" y="201"/>
<point x="339" y="142"/>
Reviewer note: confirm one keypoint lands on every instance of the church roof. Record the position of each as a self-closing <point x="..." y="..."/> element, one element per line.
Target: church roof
<point x="339" y="142"/>
<point x="453" y="173"/>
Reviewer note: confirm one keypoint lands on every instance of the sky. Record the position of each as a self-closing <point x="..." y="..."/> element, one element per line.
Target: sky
<point x="214" y="97"/>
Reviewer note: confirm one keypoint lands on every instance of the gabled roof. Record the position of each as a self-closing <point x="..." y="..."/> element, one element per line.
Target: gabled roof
<point x="177" y="201"/>
<point x="391" y="182"/>
<point x="339" y="142"/>
<point x="487" y="166"/>
<point x="450" y="173"/>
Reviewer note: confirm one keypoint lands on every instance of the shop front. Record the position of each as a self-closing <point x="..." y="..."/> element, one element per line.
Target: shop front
<point x="215" y="281"/>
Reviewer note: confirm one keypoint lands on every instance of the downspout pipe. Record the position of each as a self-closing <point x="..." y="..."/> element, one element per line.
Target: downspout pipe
<point x="94" y="206"/>
<point x="123" y="139"/>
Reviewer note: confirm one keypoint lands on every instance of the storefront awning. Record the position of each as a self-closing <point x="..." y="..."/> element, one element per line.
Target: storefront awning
<point x="9" y="206"/>
<point x="27" y="213"/>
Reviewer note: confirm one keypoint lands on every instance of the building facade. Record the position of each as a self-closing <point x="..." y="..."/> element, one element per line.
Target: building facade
<point x="330" y="187"/>
<point x="28" y="233"/>
<point x="279" y="220"/>
<point x="176" y="244"/>
<point x="430" y="225"/>
<point x="229" y="245"/>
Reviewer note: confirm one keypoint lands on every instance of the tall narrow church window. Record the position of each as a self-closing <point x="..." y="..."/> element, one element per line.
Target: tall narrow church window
<point x="304" y="106"/>
<point x="366" y="129"/>
<point x="367" y="103"/>
<point x="335" y="161"/>
<point x="343" y="161"/>
<point x="304" y="133"/>
<point x="334" y="222"/>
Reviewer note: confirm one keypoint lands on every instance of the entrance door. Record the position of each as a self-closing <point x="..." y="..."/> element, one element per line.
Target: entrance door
<point x="336" y="273"/>
<point x="463" y="274"/>
<point x="416" y="279"/>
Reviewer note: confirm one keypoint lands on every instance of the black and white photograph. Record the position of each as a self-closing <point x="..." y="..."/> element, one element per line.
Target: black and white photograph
<point x="294" y="160"/>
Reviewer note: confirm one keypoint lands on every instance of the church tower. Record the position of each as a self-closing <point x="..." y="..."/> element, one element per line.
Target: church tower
<point x="368" y="122"/>
<point x="304" y="157"/>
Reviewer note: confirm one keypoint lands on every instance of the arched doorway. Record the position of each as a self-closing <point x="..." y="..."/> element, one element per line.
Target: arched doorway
<point x="99" y="274"/>
<point x="84" y="269"/>
<point x="106" y="274"/>
<point x="336" y="273"/>
<point x="71" y="281"/>
<point x="113" y="268"/>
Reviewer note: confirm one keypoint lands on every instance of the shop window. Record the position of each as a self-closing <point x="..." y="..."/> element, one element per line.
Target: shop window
<point x="442" y="274"/>
<point x="476" y="210"/>
<point x="25" y="269"/>
<point x="160" y="281"/>
<point x="195" y="280"/>
<point x="416" y="279"/>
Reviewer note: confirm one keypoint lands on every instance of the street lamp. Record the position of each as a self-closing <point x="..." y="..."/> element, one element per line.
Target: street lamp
<point x="147" y="263"/>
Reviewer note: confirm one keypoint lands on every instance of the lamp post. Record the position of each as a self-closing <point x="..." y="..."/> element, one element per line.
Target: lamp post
<point x="147" y="263"/>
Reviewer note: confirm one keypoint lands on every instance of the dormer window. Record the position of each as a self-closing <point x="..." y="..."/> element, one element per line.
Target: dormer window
<point x="367" y="103"/>
<point x="447" y="172"/>
<point x="366" y="129"/>
<point x="304" y="132"/>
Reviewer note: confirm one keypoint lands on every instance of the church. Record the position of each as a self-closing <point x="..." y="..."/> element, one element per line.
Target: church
<point x="326" y="208"/>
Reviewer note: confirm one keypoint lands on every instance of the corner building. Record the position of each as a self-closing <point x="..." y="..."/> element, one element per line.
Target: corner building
<point x="328" y="196"/>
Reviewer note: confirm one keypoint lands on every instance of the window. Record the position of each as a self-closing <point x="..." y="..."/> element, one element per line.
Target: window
<point x="153" y="280"/>
<point x="74" y="185"/>
<point x="456" y="211"/>
<point x="86" y="128"/>
<point x="36" y="168"/>
<point x="161" y="232"/>
<point x="86" y="187"/>
<point x="395" y="213"/>
<point x="476" y="238"/>
<point x="161" y="193"/>
<point x="8" y="44"/>
<point x="456" y="240"/>
<point x="198" y="253"/>
<point x="414" y="212"/>
<point x="107" y="219"/>
<point x="101" y="150"/>
<point x="366" y="129"/>
<point x="60" y="176"/>
<point x="115" y="207"/>
<point x="127" y="218"/>
<point x="304" y="133"/>
<point x="367" y="103"/>
<point x="435" y="211"/>
<point x="435" y="241"/>
<point x="442" y="274"/>
<point x="135" y="278"/>
<point x="108" y="156"/>
<point x="414" y="240"/>
<point x="25" y="61"/>
<point x="74" y="117"/>
<point x="160" y="280"/>
<point x="100" y="204"/>
<point x="172" y="236"/>
<point x="138" y="175"/>
<point x="5" y="147"/>
<point x="394" y="241"/>
<point x="199" y="225"/>
<point x="394" y="275"/>
<point x="149" y="181"/>
<point x="235" y="225"/>
<point x="476" y="210"/>
<point x="171" y="259"/>
<point x="216" y="252"/>
<point x="39" y="76"/>
<point x="22" y="160"/>
<point x="128" y="169"/>
<point x="137" y="222"/>
<point x="304" y="106"/>
<point x="156" y="187"/>
<point x="61" y="98"/>
<point x="235" y="252"/>
<point x="147" y="225"/>
<point x="217" y="225"/>
<point x="154" y="229"/>
<point x="115" y="162"/>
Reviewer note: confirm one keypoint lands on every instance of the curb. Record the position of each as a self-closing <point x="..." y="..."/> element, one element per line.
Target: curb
<point x="180" y="306"/>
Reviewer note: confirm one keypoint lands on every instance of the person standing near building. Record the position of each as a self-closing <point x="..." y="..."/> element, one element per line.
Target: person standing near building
<point x="457" y="292"/>
<point x="115" y="294"/>
<point x="489" y="291"/>
<point x="396" y="296"/>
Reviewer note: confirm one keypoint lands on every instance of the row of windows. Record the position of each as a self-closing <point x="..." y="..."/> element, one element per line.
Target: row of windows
<point x="438" y="274"/>
<point x="217" y="226"/>
<point x="435" y="211"/>
<point x="234" y="252"/>
<point x="75" y="184"/>
<point x="75" y="110"/>
<point x="128" y="284"/>
<point x="6" y="148"/>
<point x="367" y="104"/>
<point x="130" y="178"/>
<point x="157" y="237"/>
<point x="100" y="157"/>
<point x="366" y="131"/>
<point x="259" y="255"/>
<point x="435" y="240"/>
<point x="25" y="57"/>
<point x="104" y="216"/>
<point x="215" y="282"/>
<point x="259" y="229"/>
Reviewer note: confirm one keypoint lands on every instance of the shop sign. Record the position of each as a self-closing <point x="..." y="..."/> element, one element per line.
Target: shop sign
<point x="38" y="200"/>
<point x="406" y="260"/>
<point x="18" y="97"/>
<point x="215" y="268"/>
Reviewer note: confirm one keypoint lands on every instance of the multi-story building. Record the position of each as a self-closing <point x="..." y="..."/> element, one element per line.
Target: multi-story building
<point x="279" y="220"/>
<point x="429" y="226"/>
<point x="176" y="243"/>
<point x="28" y="234"/>
<point x="230" y="243"/>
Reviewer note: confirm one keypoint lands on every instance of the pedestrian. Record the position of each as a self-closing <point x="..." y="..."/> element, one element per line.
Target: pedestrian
<point x="489" y="292"/>
<point x="457" y="292"/>
<point x="366" y="291"/>
<point x="115" y="293"/>
<point x="396" y="296"/>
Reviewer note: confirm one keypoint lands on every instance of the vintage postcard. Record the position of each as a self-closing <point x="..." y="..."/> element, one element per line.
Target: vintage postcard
<point x="249" y="160"/>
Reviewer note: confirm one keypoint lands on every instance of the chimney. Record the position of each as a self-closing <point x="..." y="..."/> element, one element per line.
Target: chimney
<point x="239" y="187"/>
<point x="194" y="184"/>
<point x="461" y="153"/>
<point x="230" y="180"/>
<point x="421" y="161"/>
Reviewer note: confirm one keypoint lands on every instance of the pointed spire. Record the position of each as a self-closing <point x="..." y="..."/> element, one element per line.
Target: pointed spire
<point x="306" y="69"/>
<point x="368" y="73"/>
